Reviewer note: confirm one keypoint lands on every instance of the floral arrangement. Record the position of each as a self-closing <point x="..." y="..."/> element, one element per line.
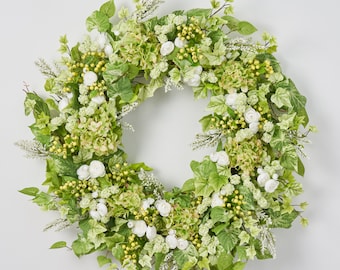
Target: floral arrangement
<point x="221" y="217"/>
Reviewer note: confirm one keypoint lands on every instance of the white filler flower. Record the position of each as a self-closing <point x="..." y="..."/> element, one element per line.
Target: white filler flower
<point x="221" y="158"/>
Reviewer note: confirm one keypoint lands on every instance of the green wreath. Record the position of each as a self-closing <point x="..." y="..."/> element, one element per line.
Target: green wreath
<point x="221" y="217"/>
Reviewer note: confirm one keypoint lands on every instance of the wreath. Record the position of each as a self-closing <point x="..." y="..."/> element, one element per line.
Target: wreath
<point x="256" y="127"/>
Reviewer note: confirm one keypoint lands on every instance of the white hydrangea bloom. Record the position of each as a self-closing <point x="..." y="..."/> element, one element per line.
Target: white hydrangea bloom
<point x="98" y="100"/>
<point x="182" y="244"/>
<point x="271" y="185"/>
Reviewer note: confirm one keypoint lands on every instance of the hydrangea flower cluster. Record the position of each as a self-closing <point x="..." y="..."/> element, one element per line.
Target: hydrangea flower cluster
<point x="221" y="217"/>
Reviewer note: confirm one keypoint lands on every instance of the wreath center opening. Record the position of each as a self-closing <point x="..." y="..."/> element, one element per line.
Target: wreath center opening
<point x="164" y="129"/>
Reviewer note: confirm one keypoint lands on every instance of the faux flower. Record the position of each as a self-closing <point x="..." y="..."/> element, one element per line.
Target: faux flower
<point x="95" y="215"/>
<point x="216" y="200"/>
<point x="139" y="228"/>
<point x="179" y="43"/>
<point x="262" y="178"/>
<point x="83" y="172"/>
<point x="231" y="100"/>
<point x="167" y="48"/>
<point x="271" y="185"/>
<point x="101" y="209"/>
<point x="182" y="244"/>
<point x="96" y="169"/>
<point x="251" y="116"/>
<point x="147" y="203"/>
<point x="221" y="158"/>
<point x="254" y="127"/>
<point x="90" y="78"/>
<point x="163" y="207"/>
<point x="151" y="232"/>
<point x="171" y="241"/>
<point x="98" y="100"/>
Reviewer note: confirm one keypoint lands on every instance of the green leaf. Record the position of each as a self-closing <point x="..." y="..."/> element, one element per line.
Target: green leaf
<point x="113" y="240"/>
<point x="206" y="122"/>
<point x="301" y="168"/>
<point x="159" y="259"/>
<point x="246" y="28"/>
<point x="224" y="261"/>
<point x="228" y="240"/>
<point x="218" y="214"/>
<point x="98" y="20"/>
<point x="239" y="266"/>
<point x="65" y="167"/>
<point x="304" y="222"/>
<point x="60" y="244"/>
<point x="232" y="22"/>
<point x="198" y="12"/>
<point x="188" y="185"/>
<point x="217" y="104"/>
<point x="30" y="191"/>
<point x="123" y="88"/>
<point x="290" y="158"/>
<point x="108" y="8"/>
<point x="114" y="71"/>
<point x="298" y="102"/>
<point x="281" y="98"/>
<point x="202" y="187"/>
<point x="279" y="139"/>
<point x="280" y="220"/>
<point x="81" y="247"/>
<point x="39" y="105"/>
<point x="102" y="260"/>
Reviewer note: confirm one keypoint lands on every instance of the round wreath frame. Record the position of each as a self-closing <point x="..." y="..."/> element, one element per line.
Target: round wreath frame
<point x="225" y="214"/>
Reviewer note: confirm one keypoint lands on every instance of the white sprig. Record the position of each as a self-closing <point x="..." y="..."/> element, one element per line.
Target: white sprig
<point x="146" y="8"/>
<point x="33" y="149"/>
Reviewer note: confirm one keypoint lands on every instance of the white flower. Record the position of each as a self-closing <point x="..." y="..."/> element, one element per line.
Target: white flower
<point x="179" y="43"/>
<point x="231" y="100"/>
<point x="96" y="169"/>
<point x="163" y="207"/>
<point x="171" y="240"/>
<point x="98" y="100"/>
<point x="221" y="158"/>
<point x="95" y="194"/>
<point x="244" y="89"/>
<point x="268" y="126"/>
<point x="194" y="80"/>
<point x="83" y="172"/>
<point x="262" y="178"/>
<point x="182" y="244"/>
<point x="147" y="203"/>
<point x="116" y="32"/>
<point x="251" y="115"/>
<point x="101" y="209"/>
<point x="254" y="127"/>
<point x="271" y="185"/>
<point x="151" y="232"/>
<point x="216" y="200"/>
<point x="95" y="215"/>
<point x="139" y="228"/>
<point x="198" y="70"/>
<point x="108" y="50"/>
<point x="167" y="48"/>
<point x="130" y="224"/>
<point x="90" y="78"/>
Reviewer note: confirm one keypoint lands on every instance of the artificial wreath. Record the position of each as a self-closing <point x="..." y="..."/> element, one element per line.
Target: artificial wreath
<point x="221" y="217"/>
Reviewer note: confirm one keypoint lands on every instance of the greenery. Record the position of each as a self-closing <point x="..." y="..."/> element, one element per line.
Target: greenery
<point x="256" y="128"/>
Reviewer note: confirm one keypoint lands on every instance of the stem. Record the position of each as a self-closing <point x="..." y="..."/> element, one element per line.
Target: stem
<point x="219" y="9"/>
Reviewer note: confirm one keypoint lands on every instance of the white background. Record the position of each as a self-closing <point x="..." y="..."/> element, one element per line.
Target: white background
<point x="308" y="36"/>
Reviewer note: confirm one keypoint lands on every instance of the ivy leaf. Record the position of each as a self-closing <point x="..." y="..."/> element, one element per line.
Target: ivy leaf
<point x="280" y="220"/>
<point x="108" y="8"/>
<point x="239" y="266"/>
<point x="114" y="71"/>
<point x="279" y="140"/>
<point x="290" y="159"/>
<point x="65" y="167"/>
<point x="298" y="102"/>
<point x="224" y="261"/>
<point x="246" y="28"/>
<point x="281" y="98"/>
<point x="232" y="22"/>
<point x="159" y="259"/>
<point x="206" y="122"/>
<point x="198" y="12"/>
<point x="122" y="88"/>
<point x="218" y="214"/>
<point x="228" y="240"/>
<point x="217" y="105"/>
<point x="203" y="188"/>
<point x="30" y="191"/>
<point x="60" y="244"/>
<point x="81" y="247"/>
<point x="98" y="20"/>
